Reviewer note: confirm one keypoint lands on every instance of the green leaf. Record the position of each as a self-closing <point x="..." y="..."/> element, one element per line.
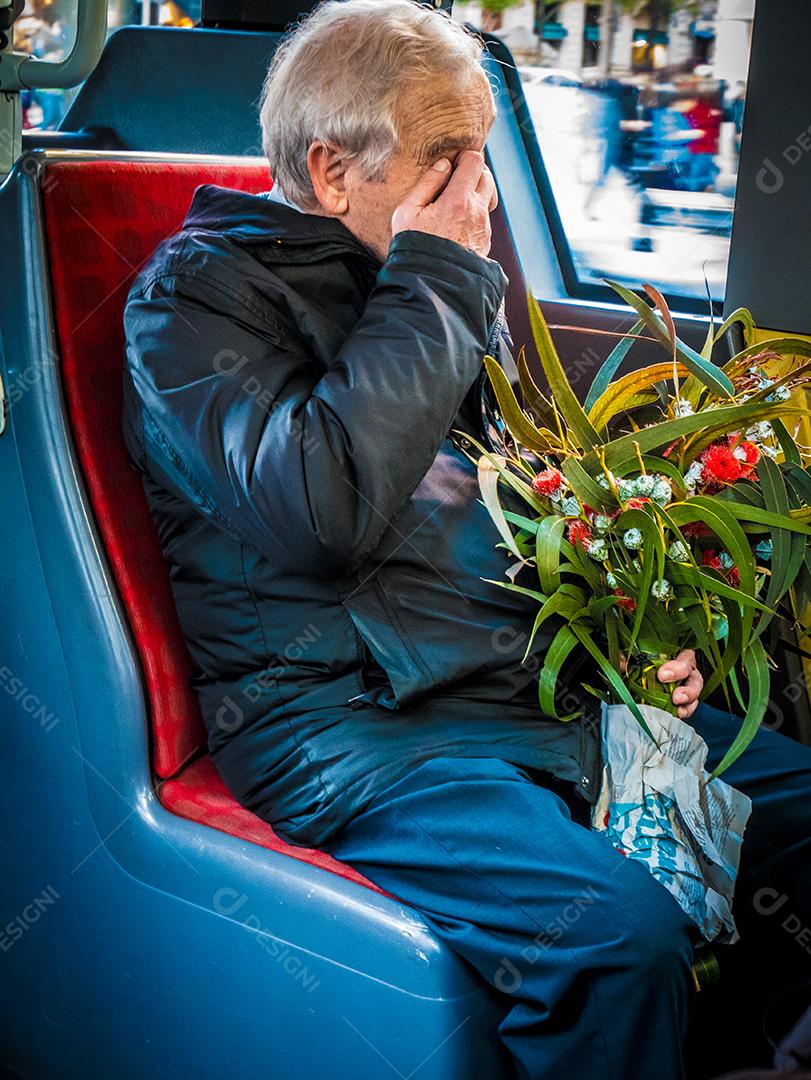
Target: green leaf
<point x="560" y="604"/>
<point x="534" y="399"/>
<point x="787" y="550"/>
<point x="783" y="346"/>
<point x="587" y="490"/>
<point x="570" y="408"/>
<point x="801" y="481"/>
<point x="580" y="563"/>
<point x="610" y="366"/>
<point x="716" y="516"/>
<point x="547" y="552"/>
<point x="705" y="371"/>
<point x="653" y="558"/>
<point x="787" y="444"/>
<point x="520" y="427"/>
<point x="757" y="516"/>
<point x="756" y="669"/>
<point x="667" y="318"/>
<point x="739" y="315"/>
<point x="488" y="485"/>
<point x="615" y="680"/>
<point x="635" y="388"/>
<point x="556" y="655"/>
<point x="508" y="476"/>
<point x="713" y="583"/>
<point x="510" y="586"/>
<point x="733" y="650"/>
<point x="526" y="523"/>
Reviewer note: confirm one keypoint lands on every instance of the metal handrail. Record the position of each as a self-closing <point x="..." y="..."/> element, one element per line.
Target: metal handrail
<point x="18" y="71"/>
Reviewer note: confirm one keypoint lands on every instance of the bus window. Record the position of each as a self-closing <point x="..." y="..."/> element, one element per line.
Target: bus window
<point x="638" y="116"/>
<point x="47" y="29"/>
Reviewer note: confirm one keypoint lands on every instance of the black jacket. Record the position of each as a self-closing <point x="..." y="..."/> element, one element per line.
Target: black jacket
<point x="290" y="402"/>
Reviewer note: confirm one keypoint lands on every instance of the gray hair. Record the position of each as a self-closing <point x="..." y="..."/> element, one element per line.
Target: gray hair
<point x="339" y="75"/>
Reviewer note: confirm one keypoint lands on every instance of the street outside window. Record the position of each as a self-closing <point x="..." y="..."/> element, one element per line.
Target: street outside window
<point x="637" y="108"/>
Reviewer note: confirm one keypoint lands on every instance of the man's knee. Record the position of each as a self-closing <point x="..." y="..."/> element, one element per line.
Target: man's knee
<point x="658" y="935"/>
<point x="664" y="946"/>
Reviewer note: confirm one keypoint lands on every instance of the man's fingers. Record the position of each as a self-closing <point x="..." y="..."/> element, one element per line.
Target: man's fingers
<point x="682" y="669"/>
<point x="486" y="187"/>
<point x="690" y="691"/>
<point x="428" y="187"/>
<point x="467" y="172"/>
<point x="684" y="712"/>
<point x="679" y="668"/>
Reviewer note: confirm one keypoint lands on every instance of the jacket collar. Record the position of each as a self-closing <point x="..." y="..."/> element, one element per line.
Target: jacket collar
<point x="257" y="219"/>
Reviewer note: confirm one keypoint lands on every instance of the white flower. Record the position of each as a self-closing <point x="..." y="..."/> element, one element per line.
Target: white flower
<point x="682" y="408"/>
<point x="598" y="549"/>
<point x="694" y="475"/>
<point x="739" y="453"/>
<point x="726" y="560"/>
<point x="611" y="581"/>
<point x="760" y="431"/>
<point x="627" y="489"/>
<point x="570" y="506"/>
<point x="782" y="393"/>
<point x="645" y="484"/>
<point x="770" y="451"/>
<point x="661" y="590"/>
<point x="602" y="523"/>
<point x="662" y="491"/>
<point x="632" y="538"/>
<point x="678" y="552"/>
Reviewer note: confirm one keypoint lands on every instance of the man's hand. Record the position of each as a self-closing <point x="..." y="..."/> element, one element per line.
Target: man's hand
<point x="683" y="670"/>
<point x="452" y="201"/>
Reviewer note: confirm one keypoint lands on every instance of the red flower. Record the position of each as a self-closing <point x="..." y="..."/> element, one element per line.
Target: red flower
<point x="625" y="601"/>
<point x="546" y="483"/>
<point x="751" y="451"/>
<point x="696" y="528"/>
<point x="638" y="502"/>
<point x="578" y="532"/>
<point x="721" y="466"/>
<point x="734" y="577"/>
<point x="710" y="558"/>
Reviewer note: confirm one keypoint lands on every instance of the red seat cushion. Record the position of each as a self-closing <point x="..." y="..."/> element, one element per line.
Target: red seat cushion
<point x="103" y="219"/>
<point x="199" y="793"/>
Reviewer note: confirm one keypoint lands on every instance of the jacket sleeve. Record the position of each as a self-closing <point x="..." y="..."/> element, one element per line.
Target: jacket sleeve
<point x="309" y="467"/>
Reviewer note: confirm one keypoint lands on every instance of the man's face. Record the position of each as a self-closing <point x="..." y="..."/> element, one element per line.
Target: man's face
<point x="435" y="122"/>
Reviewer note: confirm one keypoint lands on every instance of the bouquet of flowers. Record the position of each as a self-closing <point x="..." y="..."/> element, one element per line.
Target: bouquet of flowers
<point x="670" y="510"/>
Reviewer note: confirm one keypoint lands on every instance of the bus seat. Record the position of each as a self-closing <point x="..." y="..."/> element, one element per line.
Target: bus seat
<point x="103" y="218"/>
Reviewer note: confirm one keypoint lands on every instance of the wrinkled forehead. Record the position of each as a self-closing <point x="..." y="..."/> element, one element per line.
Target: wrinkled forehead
<point x="437" y="120"/>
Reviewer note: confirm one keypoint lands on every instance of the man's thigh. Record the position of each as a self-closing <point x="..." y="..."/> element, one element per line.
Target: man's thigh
<point x="475" y="840"/>
<point x="581" y="942"/>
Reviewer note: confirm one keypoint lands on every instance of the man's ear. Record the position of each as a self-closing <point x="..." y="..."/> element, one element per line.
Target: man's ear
<point x="327" y="168"/>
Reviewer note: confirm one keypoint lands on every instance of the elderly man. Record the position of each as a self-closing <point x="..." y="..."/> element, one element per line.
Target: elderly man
<point x="299" y="367"/>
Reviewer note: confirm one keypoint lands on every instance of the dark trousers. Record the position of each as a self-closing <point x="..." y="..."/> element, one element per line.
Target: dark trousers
<point x="592" y="956"/>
